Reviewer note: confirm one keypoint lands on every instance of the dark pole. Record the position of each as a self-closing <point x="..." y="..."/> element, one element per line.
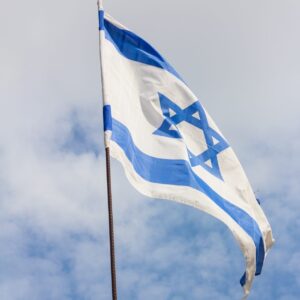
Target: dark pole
<point x="111" y="227"/>
<point x="108" y="181"/>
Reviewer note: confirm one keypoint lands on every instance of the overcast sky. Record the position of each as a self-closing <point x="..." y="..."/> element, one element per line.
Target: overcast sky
<point x="242" y="60"/>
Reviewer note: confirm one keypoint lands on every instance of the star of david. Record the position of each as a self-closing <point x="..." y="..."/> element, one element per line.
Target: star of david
<point x="194" y="115"/>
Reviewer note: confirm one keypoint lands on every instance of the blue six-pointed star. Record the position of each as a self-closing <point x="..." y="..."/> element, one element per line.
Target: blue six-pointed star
<point x="214" y="141"/>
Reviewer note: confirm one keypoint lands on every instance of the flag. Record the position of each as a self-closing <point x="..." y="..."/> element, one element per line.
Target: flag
<point x="168" y="144"/>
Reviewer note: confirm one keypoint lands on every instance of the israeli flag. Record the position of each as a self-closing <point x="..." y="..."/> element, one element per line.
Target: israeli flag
<point x="168" y="144"/>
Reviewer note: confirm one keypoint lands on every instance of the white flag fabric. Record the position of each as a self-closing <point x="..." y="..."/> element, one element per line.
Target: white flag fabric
<point x="168" y="144"/>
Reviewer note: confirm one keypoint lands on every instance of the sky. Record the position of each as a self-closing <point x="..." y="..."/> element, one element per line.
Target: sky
<point x="242" y="60"/>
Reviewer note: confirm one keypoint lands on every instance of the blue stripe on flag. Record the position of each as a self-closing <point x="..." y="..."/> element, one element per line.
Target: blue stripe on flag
<point x="107" y="120"/>
<point x="158" y="170"/>
<point x="101" y="19"/>
<point x="133" y="47"/>
<point x="243" y="279"/>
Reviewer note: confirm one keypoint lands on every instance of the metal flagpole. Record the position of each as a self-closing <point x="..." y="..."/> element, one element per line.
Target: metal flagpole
<point x="109" y="192"/>
<point x="111" y="227"/>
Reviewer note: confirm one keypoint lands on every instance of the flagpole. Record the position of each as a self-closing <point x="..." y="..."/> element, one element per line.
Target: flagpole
<point x="111" y="226"/>
<point x="109" y="191"/>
